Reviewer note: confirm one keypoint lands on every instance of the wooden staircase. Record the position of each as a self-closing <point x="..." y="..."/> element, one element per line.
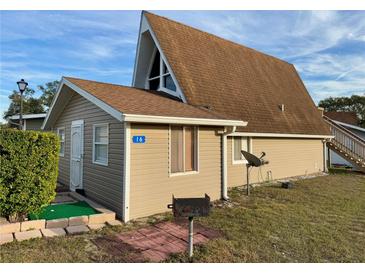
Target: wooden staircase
<point x="347" y="144"/>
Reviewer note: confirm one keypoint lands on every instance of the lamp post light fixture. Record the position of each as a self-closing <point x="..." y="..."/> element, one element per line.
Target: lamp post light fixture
<point x="22" y="85"/>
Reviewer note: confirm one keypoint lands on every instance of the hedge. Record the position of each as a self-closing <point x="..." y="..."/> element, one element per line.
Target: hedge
<point x="28" y="171"/>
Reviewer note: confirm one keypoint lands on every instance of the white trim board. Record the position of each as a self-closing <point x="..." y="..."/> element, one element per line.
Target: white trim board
<point x="136" y="57"/>
<point x="126" y="171"/>
<point x="145" y="26"/>
<point x="94" y="144"/>
<point x="137" y="118"/>
<point x="349" y="125"/>
<point x="242" y="161"/>
<point x="64" y="140"/>
<point x="160" y="76"/>
<point x="28" y="116"/>
<point x="280" y="135"/>
<point x="108" y="109"/>
<point x="224" y="183"/>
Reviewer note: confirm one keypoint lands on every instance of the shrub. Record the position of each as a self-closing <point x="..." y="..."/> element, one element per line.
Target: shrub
<point x="28" y="171"/>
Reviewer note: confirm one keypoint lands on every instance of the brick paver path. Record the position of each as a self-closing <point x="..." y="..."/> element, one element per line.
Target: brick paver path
<point x="157" y="242"/>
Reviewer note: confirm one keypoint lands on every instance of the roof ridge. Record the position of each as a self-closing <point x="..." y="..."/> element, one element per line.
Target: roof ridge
<point x="218" y="37"/>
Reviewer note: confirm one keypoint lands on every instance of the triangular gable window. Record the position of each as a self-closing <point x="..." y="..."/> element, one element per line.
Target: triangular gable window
<point x="159" y="77"/>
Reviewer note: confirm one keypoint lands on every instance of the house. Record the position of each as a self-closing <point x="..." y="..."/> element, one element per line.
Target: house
<point x="30" y="121"/>
<point x="345" y="126"/>
<point x="195" y="102"/>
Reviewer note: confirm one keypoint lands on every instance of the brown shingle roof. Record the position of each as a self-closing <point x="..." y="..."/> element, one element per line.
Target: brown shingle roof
<point x="236" y="81"/>
<point x="137" y="101"/>
<point x="343" y="116"/>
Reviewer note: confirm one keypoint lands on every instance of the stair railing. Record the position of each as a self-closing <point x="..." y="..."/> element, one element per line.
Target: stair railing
<point x="347" y="141"/>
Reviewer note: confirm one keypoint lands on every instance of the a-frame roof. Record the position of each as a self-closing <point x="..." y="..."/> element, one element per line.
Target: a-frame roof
<point x="236" y="81"/>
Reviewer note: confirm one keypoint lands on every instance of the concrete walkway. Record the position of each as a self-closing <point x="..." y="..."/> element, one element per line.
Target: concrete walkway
<point x="157" y="242"/>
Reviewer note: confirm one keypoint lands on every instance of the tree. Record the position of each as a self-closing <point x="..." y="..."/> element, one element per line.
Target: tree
<point x="30" y="104"/>
<point x="48" y="92"/>
<point x="354" y="103"/>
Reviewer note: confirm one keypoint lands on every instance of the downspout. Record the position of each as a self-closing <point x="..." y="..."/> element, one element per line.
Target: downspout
<point x="325" y="153"/>
<point x="226" y="132"/>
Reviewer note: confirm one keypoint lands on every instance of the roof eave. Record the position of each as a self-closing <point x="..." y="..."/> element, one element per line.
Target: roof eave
<point x="138" y="118"/>
<point x="104" y="106"/>
<point x="28" y="116"/>
<point x="282" y="135"/>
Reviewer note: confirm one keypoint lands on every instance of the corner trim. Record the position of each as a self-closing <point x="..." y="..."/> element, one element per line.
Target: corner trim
<point x="126" y="171"/>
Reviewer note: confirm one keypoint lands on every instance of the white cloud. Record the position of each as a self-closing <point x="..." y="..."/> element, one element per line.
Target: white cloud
<point x="306" y="39"/>
<point x="101" y="47"/>
<point x="46" y="25"/>
<point x="102" y="44"/>
<point x="284" y="34"/>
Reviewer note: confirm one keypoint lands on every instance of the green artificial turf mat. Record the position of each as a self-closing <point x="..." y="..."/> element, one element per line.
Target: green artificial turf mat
<point x="64" y="211"/>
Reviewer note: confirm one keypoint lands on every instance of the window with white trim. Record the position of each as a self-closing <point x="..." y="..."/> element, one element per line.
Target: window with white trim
<point x="159" y="77"/>
<point x="239" y="143"/>
<point x="183" y="149"/>
<point x="61" y="136"/>
<point x="100" y="144"/>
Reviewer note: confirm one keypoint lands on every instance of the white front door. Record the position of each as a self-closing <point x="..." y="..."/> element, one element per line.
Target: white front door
<point x="77" y="151"/>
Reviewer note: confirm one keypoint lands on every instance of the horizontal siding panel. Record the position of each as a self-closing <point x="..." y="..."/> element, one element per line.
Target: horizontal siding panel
<point x="287" y="158"/>
<point x="101" y="183"/>
<point x="151" y="186"/>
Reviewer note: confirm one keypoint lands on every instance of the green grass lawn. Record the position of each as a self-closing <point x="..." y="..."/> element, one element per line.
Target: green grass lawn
<point x="320" y="220"/>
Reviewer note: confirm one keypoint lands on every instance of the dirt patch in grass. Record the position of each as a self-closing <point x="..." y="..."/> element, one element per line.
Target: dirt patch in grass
<point x="319" y="220"/>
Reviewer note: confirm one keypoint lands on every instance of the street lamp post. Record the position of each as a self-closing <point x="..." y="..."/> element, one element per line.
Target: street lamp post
<point x="22" y="85"/>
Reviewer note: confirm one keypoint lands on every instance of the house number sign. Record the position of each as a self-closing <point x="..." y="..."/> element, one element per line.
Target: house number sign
<point x="139" y="139"/>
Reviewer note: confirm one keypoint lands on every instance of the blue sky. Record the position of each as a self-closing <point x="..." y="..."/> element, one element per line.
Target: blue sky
<point x="326" y="47"/>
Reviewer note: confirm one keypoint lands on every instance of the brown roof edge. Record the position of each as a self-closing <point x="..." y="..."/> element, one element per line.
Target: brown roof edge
<point x="161" y="94"/>
<point x="348" y="117"/>
<point x="137" y="103"/>
<point x="232" y="42"/>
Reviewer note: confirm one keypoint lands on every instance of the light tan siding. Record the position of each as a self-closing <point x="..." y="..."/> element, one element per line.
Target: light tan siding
<point x="287" y="157"/>
<point x="151" y="188"/>
<point x="101" y="183"/>
<point x="235" y="173"/>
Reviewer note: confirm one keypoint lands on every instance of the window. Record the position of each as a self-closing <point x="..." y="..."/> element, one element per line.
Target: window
<point x="61" y="136"/>
<point x="100" y="144"/>
<point x="159" y="77"/>
<point x="239" y="143"/>
<point x="183" y="149"/>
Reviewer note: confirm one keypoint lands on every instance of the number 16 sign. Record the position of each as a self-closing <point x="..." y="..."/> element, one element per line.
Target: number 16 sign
<point x="139" y="139"/>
